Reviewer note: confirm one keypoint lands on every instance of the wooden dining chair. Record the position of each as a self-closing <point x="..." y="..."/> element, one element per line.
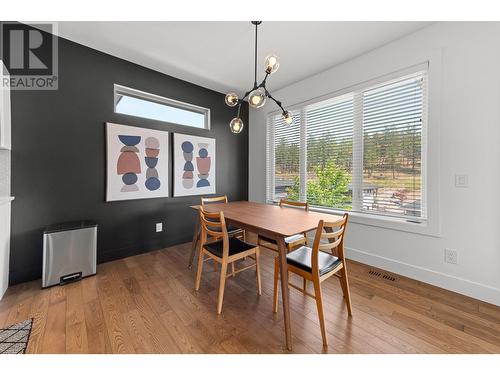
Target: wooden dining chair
<point x="291" y="242"/>
<point x="224" y="250"/>
<point x="231" y="229"/>
<point x="316" y="265"/>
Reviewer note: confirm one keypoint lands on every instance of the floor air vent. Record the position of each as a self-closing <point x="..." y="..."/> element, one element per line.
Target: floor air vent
<point x="382" y="275"/>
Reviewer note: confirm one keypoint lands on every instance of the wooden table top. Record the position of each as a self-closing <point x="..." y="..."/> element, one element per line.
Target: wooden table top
<point x="283" y="221"/>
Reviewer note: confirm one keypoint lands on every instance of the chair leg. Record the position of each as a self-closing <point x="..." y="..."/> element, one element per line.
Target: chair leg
<point x="275" y="290"/>
<point x="319" y="305"/>
<point x="304" y="286"/>
<point x="195" y="242"/>
<point x="257" y="273"/>
<point x="232" y="269"/>
<point x="222" y="284"/>
<point x="201" y="255"/>
<point x="194" y="246"/>
<point x="344" y="283"/>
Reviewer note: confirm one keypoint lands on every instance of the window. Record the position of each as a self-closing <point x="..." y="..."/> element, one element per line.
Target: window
<point x="361" y="151"/>
<point x="141" y="104"/>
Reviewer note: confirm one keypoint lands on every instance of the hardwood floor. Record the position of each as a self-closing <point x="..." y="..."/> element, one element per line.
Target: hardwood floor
<point x="147" y="304"/>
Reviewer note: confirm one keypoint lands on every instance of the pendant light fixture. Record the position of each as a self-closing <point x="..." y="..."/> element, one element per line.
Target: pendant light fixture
<point x="258" y="94"/>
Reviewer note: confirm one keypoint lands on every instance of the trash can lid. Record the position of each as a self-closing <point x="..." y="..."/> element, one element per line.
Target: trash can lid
<point x="72" y="225"/>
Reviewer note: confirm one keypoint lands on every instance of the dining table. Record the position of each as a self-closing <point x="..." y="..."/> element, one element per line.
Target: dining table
<point x="271" y="221"/>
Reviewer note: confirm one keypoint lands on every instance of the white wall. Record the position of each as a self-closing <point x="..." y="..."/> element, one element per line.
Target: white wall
<point x="464" y="138"/>
<point x="4" y="245"/>
<point x="5" y="202"/>
<point x="5" y="199"/>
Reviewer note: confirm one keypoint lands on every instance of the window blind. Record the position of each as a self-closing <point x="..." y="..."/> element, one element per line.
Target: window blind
<point x="286" y="146"/>
<point x="329" y="127"/>
<point x="362" y="151"/>
<point x="392" y="152"/>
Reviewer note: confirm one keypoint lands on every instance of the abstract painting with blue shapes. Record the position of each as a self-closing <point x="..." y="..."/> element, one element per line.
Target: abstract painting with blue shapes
<point x="194" y="165"/>
<point x="137" y="163"/>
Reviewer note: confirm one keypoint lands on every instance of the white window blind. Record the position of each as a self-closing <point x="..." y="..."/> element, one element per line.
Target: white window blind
<point x="286" y="145"/>
<point x="392" y="136"/>
<point x="329" y="127"/>
<point x="362" y="151"/>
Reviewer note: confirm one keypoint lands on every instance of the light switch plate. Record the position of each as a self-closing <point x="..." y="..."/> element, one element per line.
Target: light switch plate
<point x="461" y="180"/>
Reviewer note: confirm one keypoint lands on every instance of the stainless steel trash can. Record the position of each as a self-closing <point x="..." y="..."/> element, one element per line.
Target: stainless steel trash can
<point x="69" y="252"/>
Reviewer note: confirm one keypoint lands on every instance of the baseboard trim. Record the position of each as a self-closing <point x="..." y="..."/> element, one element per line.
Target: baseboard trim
<point x="466" y="287"/>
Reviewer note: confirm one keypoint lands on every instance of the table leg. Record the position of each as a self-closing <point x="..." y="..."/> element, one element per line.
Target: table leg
<point x="196" y="239"/>
<point x="285" y="293"/>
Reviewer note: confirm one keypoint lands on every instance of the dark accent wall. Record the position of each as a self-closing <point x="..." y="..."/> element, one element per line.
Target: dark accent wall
<point x="59" y="160"/>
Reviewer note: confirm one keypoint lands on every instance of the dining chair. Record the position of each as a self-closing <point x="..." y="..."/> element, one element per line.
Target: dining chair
<point x="231" y="229"/>
<point x="291" y="242"/>
<point x="224" y="250"/>
<point x="316" y="265"/>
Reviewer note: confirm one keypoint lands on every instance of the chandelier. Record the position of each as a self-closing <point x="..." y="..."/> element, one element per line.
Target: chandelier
<point x="258" y="94"/>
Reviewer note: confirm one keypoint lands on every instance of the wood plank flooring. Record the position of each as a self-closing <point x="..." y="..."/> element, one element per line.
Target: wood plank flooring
<point x="147" y="304"/>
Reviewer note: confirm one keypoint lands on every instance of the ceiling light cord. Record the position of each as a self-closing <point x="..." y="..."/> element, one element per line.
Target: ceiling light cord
<point x="255" y="55"/>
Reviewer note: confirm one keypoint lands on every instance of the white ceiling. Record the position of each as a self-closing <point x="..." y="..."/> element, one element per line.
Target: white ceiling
<point x="219" y="55"/>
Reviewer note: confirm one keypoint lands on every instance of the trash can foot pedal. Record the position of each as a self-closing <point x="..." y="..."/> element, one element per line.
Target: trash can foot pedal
<point x="70" y="278"/>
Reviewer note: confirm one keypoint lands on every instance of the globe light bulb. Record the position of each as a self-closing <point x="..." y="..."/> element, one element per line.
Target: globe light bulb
<point x="272" y="64"/>
<point x="287" y="117"/>
<point x="231" y="99"/>
<point x="236" y="125"/>
<point x="257" y="98"/>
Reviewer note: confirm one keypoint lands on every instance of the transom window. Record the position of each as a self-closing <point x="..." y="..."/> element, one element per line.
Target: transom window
<point x="142" y="104"/>
<point x="361" y="151"/>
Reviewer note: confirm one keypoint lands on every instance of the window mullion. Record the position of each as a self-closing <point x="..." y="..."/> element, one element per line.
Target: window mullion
<point x="303" y="156"/>
<point x="357" y="153"/>
<point x="271" y="150"/>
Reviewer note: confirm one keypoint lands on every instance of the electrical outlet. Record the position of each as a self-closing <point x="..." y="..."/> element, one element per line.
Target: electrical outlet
<point x="461" y="180"/>
<point x="159" y="227"/>
<point x="451" y="256"/>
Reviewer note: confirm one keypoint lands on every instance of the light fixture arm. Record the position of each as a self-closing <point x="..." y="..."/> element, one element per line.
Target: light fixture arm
<point x="263" y="83"/>
<point x="278" y="103"/>
<point x="245" y="96"/>
<point x="240" y="102"/>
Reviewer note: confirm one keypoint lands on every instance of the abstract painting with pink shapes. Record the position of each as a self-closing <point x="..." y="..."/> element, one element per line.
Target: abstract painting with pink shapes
<point x="137" y="163"/>
<point x="194" y="165"/>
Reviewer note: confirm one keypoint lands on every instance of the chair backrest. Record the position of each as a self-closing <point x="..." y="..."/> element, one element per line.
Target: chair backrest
<point x="334" y="232"/>
<point x="208" y="200"/>
<point x="284" y="202"/>
<point x="213" y="224"/>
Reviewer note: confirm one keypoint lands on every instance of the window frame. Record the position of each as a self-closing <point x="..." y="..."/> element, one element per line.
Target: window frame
<point x="425" y="225"/>
<point x="119" y="90"/>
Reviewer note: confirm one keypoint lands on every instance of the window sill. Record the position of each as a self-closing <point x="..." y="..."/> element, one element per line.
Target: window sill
<point x="423" y="228"/>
